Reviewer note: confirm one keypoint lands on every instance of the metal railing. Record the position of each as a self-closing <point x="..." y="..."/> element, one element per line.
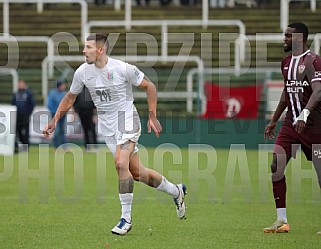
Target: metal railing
<point x="315" y="45"/>
<point x="40" y="39"/>
<point x="14" y="74"/>
<point x="248" y="3"/>
<point x="128" y="12"/>
<point x="164" y="24"/>
<point x="267" y="37"/>
<point x="6" y="20"/>
<point x="284" y="11"/>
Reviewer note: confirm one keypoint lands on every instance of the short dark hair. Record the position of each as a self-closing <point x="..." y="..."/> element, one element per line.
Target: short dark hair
<point x="99" y="37"/>
<point x="300" y="28"/>
<point x="60" y="82"/>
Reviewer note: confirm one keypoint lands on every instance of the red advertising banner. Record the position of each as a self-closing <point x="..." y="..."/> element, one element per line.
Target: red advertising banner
<point x="232" y="102"/>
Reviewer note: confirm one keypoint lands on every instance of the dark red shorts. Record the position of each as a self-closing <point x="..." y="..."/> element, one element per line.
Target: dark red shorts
<point x="290" y="140"/>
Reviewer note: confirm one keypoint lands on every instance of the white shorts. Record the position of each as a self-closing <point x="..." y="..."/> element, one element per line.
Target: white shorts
<point x="121" y="138"/>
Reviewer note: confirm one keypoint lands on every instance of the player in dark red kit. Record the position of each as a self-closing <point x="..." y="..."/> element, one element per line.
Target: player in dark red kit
<point x="302" y="125"/>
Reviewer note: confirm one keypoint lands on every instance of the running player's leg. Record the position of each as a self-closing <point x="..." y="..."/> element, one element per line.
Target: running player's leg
<point x="283" y="150"/>
<point x="122" y="152"/>
<point x="125" y="186"/>
<point x="156" y="180"/>
<point x="279" y="192"/>
<point x="150" y="177"/>
<point x="125" y="178"/>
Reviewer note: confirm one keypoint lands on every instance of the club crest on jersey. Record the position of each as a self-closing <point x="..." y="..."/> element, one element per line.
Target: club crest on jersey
<point x="110" y="76"/>
<point x="301" y="69"/>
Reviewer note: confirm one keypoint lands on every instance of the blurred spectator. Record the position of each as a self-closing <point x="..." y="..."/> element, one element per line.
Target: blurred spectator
<point x="98" y="2"/>
<point x="262" y="3"/>
<point x="186" y="2"/>
<point x="162" y="2"/>
<point x="54" y="98"/>
<point x="165" y="2"/>
<point x="138" y="2"/>
<point x="24" y="101"/>
<point x="85" y="107"/>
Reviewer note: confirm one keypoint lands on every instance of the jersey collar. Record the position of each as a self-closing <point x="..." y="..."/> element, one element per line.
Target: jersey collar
<point x="298" y="56"/>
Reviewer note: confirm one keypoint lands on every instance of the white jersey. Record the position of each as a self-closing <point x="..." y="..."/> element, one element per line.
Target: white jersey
<point x="111" y="91"/>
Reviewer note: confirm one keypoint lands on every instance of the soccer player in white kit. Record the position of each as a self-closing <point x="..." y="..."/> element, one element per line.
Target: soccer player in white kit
<point x="109" y="82"/>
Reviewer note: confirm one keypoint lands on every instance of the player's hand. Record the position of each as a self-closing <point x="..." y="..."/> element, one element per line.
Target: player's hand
<point x="269" y="132"/>
<point x="154" y="124"/>
<point x="49" y="129"/>
<point x="299" y="125"/>
<point x="300" y="121"/>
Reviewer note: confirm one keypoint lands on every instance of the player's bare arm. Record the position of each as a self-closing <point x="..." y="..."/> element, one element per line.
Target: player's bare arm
<point x="269" y="132"/>
<point x="64" y="106"/>
<point x="151" y="92"/>
<point x="315" y="98"/>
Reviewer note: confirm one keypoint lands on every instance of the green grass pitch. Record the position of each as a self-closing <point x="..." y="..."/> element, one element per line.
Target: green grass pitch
<point x="63" y="200"/>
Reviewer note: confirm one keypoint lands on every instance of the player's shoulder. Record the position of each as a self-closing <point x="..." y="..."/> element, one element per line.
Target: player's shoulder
<point x="119" y="65"/>
<point x="84" y="69"/>
<point x="80" y="69"/>
<point x="84" y="66"/>
<point x="310" y="53"/>
<point x="112" y="62"/>
<point x="312" y="56"/>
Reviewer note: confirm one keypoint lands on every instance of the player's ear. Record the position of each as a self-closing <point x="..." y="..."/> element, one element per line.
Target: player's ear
<point x="100" y="50"/>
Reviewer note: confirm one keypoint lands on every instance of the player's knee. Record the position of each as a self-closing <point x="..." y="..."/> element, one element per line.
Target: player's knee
<point x="274" y="164"/>
<point x="120" y="165"/>
<point x="278" y="167"/>
<point x="277" y="174"/>
<point x="273" y="167"/>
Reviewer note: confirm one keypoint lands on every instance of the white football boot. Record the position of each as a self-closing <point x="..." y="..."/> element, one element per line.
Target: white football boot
<point x="179" y="201"/>
<point x="122" y="227"/>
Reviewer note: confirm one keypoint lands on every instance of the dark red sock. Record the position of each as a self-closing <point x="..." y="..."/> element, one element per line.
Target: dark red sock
<point x="279" y="192"/>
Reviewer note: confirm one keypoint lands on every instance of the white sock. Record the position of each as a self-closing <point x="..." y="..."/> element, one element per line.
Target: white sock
<point x="168" y="188"/>
<point x="126" y="201"/>
<point x="281" y="212"/>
